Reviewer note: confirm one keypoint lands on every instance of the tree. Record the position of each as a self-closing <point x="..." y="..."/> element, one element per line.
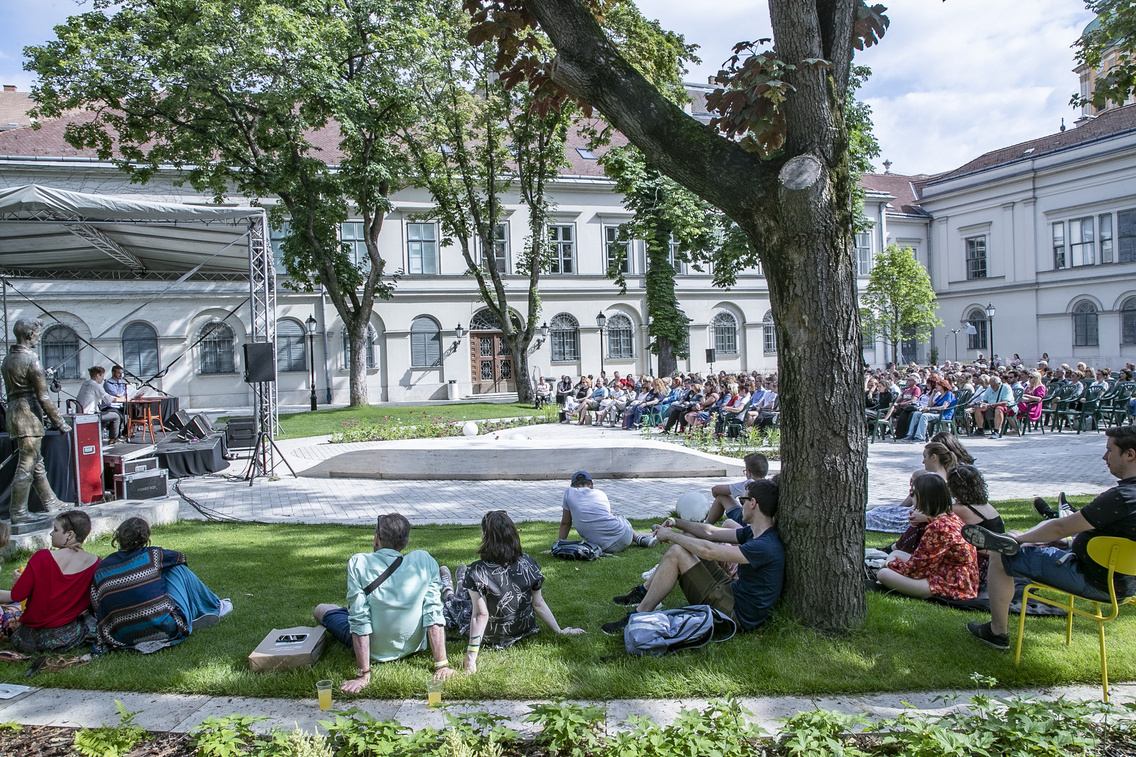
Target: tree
<point x="478" y="141"/>
<point x="776" y="161"/>
<point x="297" y="99"/>
<point x="1109" y="44"/>
<point x="899" y="301"/>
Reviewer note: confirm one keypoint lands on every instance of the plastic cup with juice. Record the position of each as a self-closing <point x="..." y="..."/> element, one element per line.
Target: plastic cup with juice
<point x="434" y="694"/>
<point x="323" y="688"/>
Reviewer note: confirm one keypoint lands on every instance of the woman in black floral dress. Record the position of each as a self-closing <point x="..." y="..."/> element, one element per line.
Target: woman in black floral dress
<point x="499" y="597"/>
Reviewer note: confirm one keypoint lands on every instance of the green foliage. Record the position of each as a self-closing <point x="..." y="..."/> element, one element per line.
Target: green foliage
<point x="568" y="729"/>
<point x="111" y="740"/>
<point x="704" y="439"/>
<point x="819" y="733"/>
<point x="330" y="420"/>
<point x="355" y="733"/>
<point x="429" y="427"/>
<point x="1110" y="48"/>
<point x="229" y="736"/>
<point x="899" y="302"/>
<point x="296" y="743"/>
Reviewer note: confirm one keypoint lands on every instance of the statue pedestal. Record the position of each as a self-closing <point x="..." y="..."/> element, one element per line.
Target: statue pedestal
<point x="42" y="523"/>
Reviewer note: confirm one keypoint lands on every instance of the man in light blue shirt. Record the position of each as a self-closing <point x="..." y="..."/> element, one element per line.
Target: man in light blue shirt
<point x="992" y="408"/>
<point x="400" y="615"/>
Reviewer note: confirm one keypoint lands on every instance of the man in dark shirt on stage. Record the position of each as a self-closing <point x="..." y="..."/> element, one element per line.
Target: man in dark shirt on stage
<point x="1113" y="513"/>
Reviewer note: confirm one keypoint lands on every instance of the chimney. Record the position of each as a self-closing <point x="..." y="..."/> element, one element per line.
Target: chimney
<point x="9" y="87"/>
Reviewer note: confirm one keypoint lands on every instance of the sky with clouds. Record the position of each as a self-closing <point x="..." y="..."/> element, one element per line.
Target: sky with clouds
<point x="950" y="81"/>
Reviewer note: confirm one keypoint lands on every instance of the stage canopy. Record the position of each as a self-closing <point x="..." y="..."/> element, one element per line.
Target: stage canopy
<point x="45" y="231"/>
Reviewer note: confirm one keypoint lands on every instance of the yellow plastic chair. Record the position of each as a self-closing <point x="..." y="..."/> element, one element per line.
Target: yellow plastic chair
<point x="1119" y="555"/>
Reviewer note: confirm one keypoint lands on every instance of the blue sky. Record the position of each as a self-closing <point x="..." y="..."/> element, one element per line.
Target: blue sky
<point x="951" y="80"/>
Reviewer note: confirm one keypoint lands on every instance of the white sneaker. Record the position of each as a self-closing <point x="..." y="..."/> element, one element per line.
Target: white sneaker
<point x="647" y="574"/>
<point x="226" y="608"/>
<point x="646" y="541"/>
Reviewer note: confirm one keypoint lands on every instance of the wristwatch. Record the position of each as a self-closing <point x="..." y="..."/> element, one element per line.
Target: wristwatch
<point x="360" y="672"/>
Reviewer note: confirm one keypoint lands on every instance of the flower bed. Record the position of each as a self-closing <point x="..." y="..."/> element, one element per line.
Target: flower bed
<point x="429" y="426"/>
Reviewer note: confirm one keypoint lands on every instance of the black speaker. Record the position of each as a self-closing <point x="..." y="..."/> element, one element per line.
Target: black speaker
<point x="198" y="427"/>
<point x="260" y="362"/>
<point x="710" y="355"/>
<point x="177" y="421"/>
<point x="241" y="433"/>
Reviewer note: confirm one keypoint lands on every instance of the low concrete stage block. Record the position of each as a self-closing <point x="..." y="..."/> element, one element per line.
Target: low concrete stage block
<point x="487" y="459"/>
<point x="105" y="518"/>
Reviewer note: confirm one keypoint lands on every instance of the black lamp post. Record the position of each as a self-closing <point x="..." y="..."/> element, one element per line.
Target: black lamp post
<point x="601" y="321"/>
<point x="311" y="323"/>
<point x="991" y="311"/>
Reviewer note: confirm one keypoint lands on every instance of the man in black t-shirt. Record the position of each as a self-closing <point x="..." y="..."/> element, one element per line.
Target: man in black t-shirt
<point x="1113" y="513"/>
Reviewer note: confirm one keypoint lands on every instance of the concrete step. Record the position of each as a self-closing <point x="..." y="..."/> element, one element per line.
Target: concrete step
<point x="105" y="518"/>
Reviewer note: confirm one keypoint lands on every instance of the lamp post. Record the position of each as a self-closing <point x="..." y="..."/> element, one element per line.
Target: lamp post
<point x="991" y="311"/>
<point x="601" y="321"/>
<point x="311" y="324"/>
<point x="955" y="332"/>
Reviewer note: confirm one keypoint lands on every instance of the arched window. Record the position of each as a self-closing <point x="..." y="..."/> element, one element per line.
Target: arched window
<point x="1128" y="321"/>
<point x="564" y="331"/>
<point x="369" y="344"/>
<point x="770" y="333"/>
<point x="61" y="351"/>
<point x="425" y="343"/>
<point x="620" y="342"/>
<point x="216" y="348"/>
<point x="725" y="330"/>
<point x="140" y="350"/>
<point x="977" y="319"/>
<point x="1085" y="324"/>
<point x="291" y="349"/>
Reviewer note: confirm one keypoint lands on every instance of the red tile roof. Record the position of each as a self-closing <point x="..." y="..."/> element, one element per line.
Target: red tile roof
<point x="14" y="108"/>
<point x="905" y="190"/>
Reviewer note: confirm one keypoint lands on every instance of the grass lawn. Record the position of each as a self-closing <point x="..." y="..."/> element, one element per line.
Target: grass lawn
<point x="325" y="422"/>
<point x="275" y="574"/>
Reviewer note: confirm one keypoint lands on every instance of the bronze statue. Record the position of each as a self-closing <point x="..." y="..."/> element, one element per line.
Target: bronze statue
<point x="28" y="400"/>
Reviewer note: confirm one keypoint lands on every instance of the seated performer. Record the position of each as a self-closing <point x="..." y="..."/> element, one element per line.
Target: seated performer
<point x="692" y="562"/>
<point x="146" y="598"/>
<point x="394" y="605"/>
<point x="93" y="398"/>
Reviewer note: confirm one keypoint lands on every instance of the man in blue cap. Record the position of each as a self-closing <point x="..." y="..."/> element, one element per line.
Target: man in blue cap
<point x="589" y="510"/>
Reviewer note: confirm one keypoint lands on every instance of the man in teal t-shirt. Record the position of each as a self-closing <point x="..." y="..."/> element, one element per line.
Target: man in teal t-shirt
<point x="992" y="409"/>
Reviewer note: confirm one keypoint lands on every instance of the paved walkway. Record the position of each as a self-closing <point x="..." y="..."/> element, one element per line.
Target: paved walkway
<point x="1034" y="465"/>
<point x="181" y="712"/>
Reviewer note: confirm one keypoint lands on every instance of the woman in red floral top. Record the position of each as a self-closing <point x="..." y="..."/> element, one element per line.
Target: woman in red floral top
<point x="943" y="565"/>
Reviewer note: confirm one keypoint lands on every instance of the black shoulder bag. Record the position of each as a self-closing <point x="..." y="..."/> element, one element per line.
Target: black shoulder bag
<point x="383" y="576"/>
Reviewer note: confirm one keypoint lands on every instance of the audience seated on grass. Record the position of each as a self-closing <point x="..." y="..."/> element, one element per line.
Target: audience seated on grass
<point x="943" y="565"/>
<point x="692" y="562"/>
<point x="590" y="511"/>
<point x="938" y="459"/>
<point x="48" y="608"/>
<point x="498" y="599"/>
<point x="146" y="598"/>
<point x="394" y="605"/>
<point x="1027" y="554"/>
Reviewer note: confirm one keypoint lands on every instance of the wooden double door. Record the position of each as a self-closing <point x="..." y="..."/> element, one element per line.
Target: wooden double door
<point x="491" y="363"/>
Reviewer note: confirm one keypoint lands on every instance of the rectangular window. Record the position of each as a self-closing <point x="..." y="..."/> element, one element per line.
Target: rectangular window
<point x="1126" y="236"/>
<point x="563" y="248"/>
<point x="676" y="257"/>
<point x="275" y="240"/>
<point x="422" y="249"/>
<point x="1106" y="237"/>
<point x="976" y="257"/>
<point x="618" y="252"/>
<point x="1082" y="242"/>
<point x="864" y="253"/>
<point x="1059" y="260"/>
<point x="500" y="249"/>
<point x="351" y="233"/>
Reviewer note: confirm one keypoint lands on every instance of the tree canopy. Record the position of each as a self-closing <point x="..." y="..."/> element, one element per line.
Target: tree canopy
<point x="899" y="300"/>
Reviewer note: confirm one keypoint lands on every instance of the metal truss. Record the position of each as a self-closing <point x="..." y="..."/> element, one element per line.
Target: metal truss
<point x="262" y="303"/>
<point x="106" y="245"/>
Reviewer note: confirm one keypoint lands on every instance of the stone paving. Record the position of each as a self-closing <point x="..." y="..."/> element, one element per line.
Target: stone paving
<point x="1033" y="465"/>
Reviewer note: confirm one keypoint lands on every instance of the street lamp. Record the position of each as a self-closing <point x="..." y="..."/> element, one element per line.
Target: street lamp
<point x="955" y="332"/>
<point x="459" y="332"/>
<point x="601" y="321"/>
<point x="991" y="311"/>
<point x="311" y="323"/>
<point x="543" y="335"/>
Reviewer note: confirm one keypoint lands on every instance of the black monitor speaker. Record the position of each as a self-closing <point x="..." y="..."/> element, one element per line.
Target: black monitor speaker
<point x="177" y="421"/>
<point x="710" y="355"/>
<point x="198" y="427"/>
<point x="260" y="362"/>
<point x="241" y="433"/>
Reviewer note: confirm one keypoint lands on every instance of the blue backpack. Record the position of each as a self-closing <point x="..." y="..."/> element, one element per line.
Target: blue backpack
<point x="657" y="633"/>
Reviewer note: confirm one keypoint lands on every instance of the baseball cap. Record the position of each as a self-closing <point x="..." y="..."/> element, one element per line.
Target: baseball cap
<point x="580" y="477"/>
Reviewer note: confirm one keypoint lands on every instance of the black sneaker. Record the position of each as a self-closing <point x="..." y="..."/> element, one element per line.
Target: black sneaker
<point x="982" y="632"/>
<point x="1044" y="510"/>
<point x="984" y="538"/>
<point x="633" y="597"/>
<point x="1063" y="505"/>
<point x="615" y="627"/>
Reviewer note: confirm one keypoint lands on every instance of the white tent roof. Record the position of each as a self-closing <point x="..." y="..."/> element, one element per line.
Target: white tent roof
<point x="43" y="229"/>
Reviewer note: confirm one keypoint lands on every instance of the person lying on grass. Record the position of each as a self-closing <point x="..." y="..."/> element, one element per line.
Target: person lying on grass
<point x="498" y="597"/>
<point x="943" y="565"/>
<point x="394" y="605"/>
<point x="56" y="585"/>
<point x="692" y="559"/>
<point x="146" y="598"/>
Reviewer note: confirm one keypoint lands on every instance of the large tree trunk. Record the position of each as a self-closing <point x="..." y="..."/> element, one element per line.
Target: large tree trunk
<point x="357" y="337"/>
<point x="804" y="240"/>
<point x="519" y="348"/>
<point x="668" y="363"/>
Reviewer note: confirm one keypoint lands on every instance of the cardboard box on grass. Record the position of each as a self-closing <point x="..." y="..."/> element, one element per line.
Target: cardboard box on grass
<point x="288" y="648"/>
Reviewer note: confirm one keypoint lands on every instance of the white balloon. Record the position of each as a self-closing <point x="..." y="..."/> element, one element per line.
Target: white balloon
<point x="693" y="506"/>
<point x="469" y="428"/>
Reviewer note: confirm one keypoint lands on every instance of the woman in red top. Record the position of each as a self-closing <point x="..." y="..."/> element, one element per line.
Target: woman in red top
<point x="56" y="583"/>
<point x="943" y="565"/>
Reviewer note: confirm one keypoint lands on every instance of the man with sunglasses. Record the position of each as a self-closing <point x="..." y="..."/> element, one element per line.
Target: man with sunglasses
<point x="692" y="560"/>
